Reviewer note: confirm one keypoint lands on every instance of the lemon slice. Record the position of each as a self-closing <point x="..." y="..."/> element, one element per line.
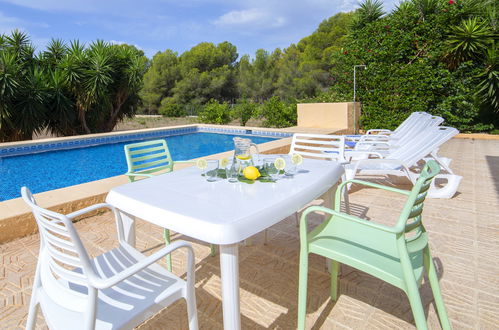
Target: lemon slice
<point x="243" y="157"/>
<point x="224" y="162"/>
<point x="296" y="159"/>
<point x="201" y="164"/>
<point x="280" y="163"/>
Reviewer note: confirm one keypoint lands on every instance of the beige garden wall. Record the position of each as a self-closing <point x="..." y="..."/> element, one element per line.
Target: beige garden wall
<point x="326" y="115"/>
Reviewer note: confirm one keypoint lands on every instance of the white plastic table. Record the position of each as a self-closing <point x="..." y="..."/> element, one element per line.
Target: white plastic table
<point x="220" y="212"/>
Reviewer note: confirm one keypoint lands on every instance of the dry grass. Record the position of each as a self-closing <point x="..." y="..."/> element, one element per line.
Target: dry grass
<point x="152" y="122"/>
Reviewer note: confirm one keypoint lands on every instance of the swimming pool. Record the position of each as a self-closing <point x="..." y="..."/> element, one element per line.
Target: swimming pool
<point x="43" y="171"/>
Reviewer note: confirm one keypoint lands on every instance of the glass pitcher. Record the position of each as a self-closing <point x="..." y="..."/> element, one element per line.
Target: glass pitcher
<point x="242" y="153"/>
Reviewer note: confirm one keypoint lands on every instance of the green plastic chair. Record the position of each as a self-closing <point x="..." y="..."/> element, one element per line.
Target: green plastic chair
<point x="149" y="158"/>
<point x="398" y="254"/>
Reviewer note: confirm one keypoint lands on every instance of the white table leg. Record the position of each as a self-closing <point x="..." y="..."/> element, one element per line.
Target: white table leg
<point x="229" y="264"/>
<point x="128" y="222"/>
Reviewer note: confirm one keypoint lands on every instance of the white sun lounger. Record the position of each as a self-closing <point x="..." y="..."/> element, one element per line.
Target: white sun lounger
<point x="406" y="160"/>
<point x="423" y="121"/>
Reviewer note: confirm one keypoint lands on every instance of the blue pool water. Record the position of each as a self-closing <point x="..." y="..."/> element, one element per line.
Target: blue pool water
<point x="56" y="169"/>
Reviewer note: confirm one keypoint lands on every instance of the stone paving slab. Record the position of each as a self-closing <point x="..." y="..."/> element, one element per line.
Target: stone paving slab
<point x="464" y="239"/>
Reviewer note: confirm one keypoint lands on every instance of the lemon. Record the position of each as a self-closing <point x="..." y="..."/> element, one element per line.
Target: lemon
<point x="224" y="162"/>
<point x="251" y="173"/>
<point x="296" y="159"/>
<point x="201" y="164"/>
<point x="280" y="163"/>
<point x="243" y="157"/>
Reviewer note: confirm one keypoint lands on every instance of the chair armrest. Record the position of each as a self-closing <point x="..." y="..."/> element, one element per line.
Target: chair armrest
<point x="90" y="209"/>
<point x="342" y="186"/>
<point x="388" y="229"/>
<point x="101" y="283"/>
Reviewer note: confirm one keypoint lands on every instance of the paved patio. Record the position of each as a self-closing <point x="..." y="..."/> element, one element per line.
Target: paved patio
<point x="464" y="239"/>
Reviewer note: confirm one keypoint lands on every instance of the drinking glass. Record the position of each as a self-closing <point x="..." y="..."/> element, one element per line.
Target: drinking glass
<point x="211" y="170"/>
<point x="270" y="168"/>
<point x="291" y="168"/>
<point x="231" y="172"/>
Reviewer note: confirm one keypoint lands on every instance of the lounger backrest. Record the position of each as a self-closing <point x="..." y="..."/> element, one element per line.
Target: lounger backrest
<point x="319" y="146"/>
<point x="423" y="123"/>
<point x="423" y="144"/>
<point x="409" y="123"/>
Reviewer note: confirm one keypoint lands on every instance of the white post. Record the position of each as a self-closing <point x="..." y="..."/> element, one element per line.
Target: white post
<point x="229" y="269"/>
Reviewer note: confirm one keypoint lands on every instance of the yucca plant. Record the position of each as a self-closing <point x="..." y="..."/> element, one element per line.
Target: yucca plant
<point x="468" y="41"/>
<point x="488" y="88"/>
<point x="369" y="11"/>
<point x="426" y="7"/>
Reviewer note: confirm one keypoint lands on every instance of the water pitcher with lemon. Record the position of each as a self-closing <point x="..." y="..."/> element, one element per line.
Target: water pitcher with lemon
<point x="242" y="153"/>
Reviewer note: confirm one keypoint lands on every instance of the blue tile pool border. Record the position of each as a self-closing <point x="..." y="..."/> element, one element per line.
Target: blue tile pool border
<point x="81" y="142"/>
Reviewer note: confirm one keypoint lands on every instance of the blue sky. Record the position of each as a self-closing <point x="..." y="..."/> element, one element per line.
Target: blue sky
<point x="156" y="25"/>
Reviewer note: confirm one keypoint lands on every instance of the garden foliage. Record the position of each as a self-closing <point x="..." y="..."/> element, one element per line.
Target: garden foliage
<point x="438" y="56"/>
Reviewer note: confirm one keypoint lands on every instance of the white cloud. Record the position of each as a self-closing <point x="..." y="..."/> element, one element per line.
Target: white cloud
<point x="241" y="17"/>
<point x="255" y="17"/>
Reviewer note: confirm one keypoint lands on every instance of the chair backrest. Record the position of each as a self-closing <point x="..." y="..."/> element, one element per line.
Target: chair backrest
<point x="410" y="219"/>
<point x="424" y="143"/>
<point x="148" y="157"/>
<point x="63" y="260"/>
<point x="320" y="146"/>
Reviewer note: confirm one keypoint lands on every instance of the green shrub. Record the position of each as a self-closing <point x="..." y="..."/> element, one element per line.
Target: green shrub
<point x="244" y="110"/>
<point x="215" y="113"/>
<point x="170" y="109"/>
<point x="278" y="113"/>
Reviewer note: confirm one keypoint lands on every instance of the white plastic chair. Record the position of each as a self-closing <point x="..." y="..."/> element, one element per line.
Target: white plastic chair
<point x="404" y="160"/>
<point x="117" y="290"/>
<point x="321" y="146"/>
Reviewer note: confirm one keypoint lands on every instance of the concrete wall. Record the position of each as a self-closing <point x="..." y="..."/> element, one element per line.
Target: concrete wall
<point x="326" y="115"/>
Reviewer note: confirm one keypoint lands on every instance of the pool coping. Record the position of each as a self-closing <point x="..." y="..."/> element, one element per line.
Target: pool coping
<point x="15" y="216"/>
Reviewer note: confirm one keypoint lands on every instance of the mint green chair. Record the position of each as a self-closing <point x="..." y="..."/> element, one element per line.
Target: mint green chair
<point x="149" y="158"/>
<point x="396" y="254"/>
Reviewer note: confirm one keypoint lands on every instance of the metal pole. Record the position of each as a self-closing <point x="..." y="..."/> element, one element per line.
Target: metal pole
<point x="354" y="96"/>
